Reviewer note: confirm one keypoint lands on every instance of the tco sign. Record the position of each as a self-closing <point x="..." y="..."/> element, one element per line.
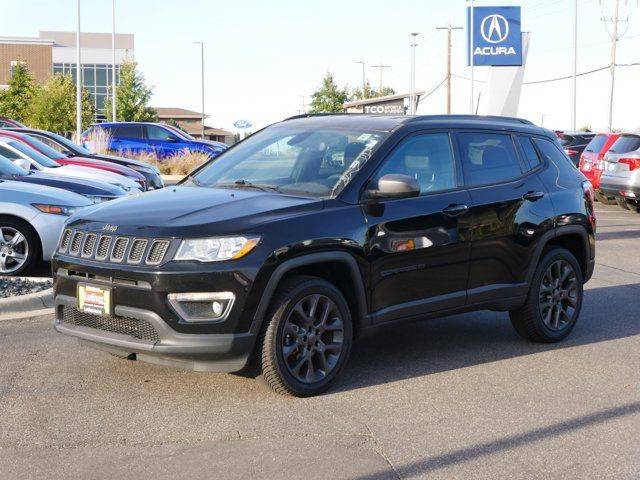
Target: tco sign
<point x="497" y="38"/>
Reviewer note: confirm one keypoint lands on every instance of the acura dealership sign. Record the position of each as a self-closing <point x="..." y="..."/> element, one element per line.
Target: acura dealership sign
<point x="497" y="38"/>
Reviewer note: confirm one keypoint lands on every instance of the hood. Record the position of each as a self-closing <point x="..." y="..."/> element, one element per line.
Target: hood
<point x="195" y="212"/>
<point x="27" y="193"/>
<point x="124" y="161"/>
<point x="94" y="174"/>
<point x="84" y="187"/>
<point x="104" y="165"/>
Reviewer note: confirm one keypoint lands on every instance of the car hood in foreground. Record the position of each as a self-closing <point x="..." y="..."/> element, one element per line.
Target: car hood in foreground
<point x="195" y="212"/>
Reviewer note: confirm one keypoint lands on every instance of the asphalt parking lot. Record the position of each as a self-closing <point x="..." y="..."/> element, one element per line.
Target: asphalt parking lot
<point x="460" y="397"/>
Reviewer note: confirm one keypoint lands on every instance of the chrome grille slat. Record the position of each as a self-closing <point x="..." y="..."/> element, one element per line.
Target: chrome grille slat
<point x="103" y="247"/>
<point x="157" y="252"/>
<point x="89" y="244"/>
<point x="136" y="254"/>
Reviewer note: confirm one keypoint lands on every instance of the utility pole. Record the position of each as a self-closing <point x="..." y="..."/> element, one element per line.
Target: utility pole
<point x="113" y="60"/>
<point x="575" y="65"/>
<point x="471" y="55"/>
<point x="448" y="28"/>
<point x="78" y="80"/>
<point x="364" y="81"/>
<point x="412" y="93"/>
<point x="381" y="66"/>
<point x="303" y="106"/>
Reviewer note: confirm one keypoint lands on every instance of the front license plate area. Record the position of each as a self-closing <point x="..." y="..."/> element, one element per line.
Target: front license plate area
<point x="95" y="300"/>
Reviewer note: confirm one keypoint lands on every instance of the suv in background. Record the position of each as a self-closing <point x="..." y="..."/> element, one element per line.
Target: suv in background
<point x="312" y="230"/>
<point x="592" y="162"/>
<point x="574" y="144"/>
<point x="621" y="175"/>
<point x="162" y="141"/>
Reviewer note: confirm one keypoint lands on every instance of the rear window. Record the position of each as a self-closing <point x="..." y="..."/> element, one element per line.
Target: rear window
<point x="596" y="144"/>
<point x="129" y="131"/>
<point x="530" y="154"/>
<point x="488" y="158"/>
<point x="626" y="144"/>
<point x="565" y="139"/>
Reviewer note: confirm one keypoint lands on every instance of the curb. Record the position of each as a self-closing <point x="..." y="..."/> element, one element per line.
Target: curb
<point x="25" y="303"/>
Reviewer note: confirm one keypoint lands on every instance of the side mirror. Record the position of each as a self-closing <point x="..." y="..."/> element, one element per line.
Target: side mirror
<point x="171" y="139"/>
<point x="22" y="163"/>
<point x="395" y="185"/>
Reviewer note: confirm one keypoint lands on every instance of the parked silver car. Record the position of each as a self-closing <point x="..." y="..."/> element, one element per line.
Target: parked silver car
<point x="31" y="220"/>
<point x="621" y="175"/>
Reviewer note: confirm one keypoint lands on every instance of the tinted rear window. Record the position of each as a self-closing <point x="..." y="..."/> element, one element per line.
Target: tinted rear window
<point x="488" y="158"/>
<point x="626" y="144"/>
<point x="129" y="131"/>
<point x="565" y="140"/>
<point x="596" y="144"/>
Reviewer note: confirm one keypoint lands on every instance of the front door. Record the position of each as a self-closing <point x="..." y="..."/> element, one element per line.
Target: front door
<point x="419" y="256"/>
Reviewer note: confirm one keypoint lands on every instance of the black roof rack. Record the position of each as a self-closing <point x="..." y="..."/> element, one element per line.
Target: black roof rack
<point x="309" y="115"/>
<point x="496" y="118"/>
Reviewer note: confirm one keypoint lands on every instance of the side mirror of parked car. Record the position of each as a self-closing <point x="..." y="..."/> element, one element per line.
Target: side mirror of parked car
<point x="171" y="139"/>
<point x="395" y="185"/>
<point x="22" y="163"/>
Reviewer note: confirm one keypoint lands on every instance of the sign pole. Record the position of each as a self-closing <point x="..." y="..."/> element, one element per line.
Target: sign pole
<point x="471" y="34"/>
<point x="78" y="80"/>
<point x="575" y="65"/>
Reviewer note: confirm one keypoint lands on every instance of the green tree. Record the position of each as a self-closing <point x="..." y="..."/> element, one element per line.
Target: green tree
<point x="53" y="106"/>
<point x="15" y="101"/>
<point x="132" y="96"/>
<point x="329" y="98"/>
<point x="370" y="92"/>
<point x="171" y="122"/>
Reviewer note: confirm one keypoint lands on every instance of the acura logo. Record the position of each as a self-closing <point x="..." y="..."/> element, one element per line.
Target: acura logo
<point x="494" y="28"/>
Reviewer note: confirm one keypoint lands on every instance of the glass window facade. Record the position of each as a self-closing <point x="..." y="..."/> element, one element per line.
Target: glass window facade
<point x="96" y="78"/>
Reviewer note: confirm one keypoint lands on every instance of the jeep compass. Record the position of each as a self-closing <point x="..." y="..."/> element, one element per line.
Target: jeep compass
<point x="296" y="240"/>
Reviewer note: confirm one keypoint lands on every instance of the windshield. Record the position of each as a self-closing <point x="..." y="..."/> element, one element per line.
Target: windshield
<point x="45" y="149"/>
<point x="7" y="167"/>
<point x="65" y="142"/>
<point x="313" y="162"/>
<point x="180" y="133"/>
<point x="32" y="154"/>
<point x="626" y="144"/>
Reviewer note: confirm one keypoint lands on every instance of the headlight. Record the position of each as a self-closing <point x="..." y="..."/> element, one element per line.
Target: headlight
<point x="216" y="249"/>
<point x="56" y="209"/>
<point x="98" y="198"/>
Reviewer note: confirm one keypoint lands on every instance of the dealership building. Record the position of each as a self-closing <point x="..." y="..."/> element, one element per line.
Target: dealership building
<point x="55" y="52"/>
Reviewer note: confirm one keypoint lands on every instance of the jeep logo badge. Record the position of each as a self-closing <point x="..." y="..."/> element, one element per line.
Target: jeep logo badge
<point x="109" y="228"/>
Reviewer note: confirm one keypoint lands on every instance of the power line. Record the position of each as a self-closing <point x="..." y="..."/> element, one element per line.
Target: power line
<point x="433" y="91"/>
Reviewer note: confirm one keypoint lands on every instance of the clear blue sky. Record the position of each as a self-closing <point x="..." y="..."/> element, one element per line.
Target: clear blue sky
<point x="260" y="56"/>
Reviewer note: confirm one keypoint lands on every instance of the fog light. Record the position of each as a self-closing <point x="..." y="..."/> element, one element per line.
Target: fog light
<point x="202" y="307"/>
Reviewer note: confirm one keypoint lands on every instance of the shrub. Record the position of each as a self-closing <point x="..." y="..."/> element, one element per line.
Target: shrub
<point x="98" y="141"/>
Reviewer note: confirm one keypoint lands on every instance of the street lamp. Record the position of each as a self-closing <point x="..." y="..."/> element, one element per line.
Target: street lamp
<point x="471" y="59"/>
<point x="412" y="94"/>
<point x="78" y="79"/>
<point x="201" y="43"/>
<point x="113" y="60"/>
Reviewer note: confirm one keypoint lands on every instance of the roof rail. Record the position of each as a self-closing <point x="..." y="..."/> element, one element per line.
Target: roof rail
<point x="473" y="117"/>
<point x="309" y="115"/>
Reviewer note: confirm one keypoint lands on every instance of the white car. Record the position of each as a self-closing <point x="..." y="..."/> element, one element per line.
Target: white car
<point x="31" y="220"/>
<point x="29" y="159"/>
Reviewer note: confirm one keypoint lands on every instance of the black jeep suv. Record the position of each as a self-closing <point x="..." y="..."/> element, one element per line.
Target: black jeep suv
<point x="294" y="241"/>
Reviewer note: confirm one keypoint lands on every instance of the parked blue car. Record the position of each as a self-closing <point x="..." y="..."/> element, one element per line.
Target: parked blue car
<point x="162" y="140"/>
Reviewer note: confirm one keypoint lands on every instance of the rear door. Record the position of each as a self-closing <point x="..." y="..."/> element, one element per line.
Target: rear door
<point x="418" y="251"/>
<point x="509" y="211"/>
<point x="130" y="139"/>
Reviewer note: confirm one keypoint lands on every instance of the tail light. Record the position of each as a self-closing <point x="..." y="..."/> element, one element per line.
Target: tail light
<point x="633" y="163"/>
<point x="589" y="195"/>
<point x="571" y="152"/>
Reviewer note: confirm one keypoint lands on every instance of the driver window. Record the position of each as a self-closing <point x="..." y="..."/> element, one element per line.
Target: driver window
<point x="157" y="133"/>
<point x="427" y="158"/>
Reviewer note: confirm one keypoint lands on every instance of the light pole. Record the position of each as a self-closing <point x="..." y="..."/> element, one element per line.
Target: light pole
<point x="78" y="79"/>
<point x="575" y="65"/>
<point x="113" y="60"/>
<point x="364" y="81"/>
<point x="412" y="94"/>
<point x="201" y="43"/>
<point x="614" y="42"/>
<point x="471" y="59"/>
<point x="381" y="66"/>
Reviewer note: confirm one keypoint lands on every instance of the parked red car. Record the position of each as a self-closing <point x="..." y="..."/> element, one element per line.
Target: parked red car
<point x="592" y="162"/>
<point x="79" y="161"/>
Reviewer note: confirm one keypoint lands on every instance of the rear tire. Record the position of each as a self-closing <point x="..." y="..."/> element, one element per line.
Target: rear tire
<point x="20" y="249"/>
<point x="554" y="300"/>
<point x="603" y="199"/>
<point x="622" y="203"/>
<point x="308" y="337"/>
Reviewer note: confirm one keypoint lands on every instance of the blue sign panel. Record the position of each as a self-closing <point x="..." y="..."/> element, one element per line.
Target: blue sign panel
<point x="497" y="38"/>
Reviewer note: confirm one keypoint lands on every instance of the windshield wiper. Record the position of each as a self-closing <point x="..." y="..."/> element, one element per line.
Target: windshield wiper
<point x="247" y="184"/>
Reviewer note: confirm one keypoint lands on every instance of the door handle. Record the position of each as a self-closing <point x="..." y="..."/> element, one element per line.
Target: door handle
<point x="455" y="209"/>
<point x="533" y="196"/>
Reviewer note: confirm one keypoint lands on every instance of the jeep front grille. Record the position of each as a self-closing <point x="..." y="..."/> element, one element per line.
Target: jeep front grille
<point x="132" y="327"/>
<point x="114" y="249"/>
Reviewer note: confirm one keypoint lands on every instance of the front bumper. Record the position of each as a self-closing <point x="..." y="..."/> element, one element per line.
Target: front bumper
<point x="199" y="352"/>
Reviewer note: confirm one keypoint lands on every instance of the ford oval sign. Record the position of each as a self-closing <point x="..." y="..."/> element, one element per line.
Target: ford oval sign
<point x="242" y="124"/>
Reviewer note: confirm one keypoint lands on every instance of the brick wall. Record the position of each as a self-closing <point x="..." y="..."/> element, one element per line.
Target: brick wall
<point x="37" y="57"/>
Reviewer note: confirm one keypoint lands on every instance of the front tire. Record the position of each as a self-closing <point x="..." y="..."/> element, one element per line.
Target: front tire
<point x="308" y="337"/>
<point x="19" y="247"/>
<point x="554" y="300"/>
